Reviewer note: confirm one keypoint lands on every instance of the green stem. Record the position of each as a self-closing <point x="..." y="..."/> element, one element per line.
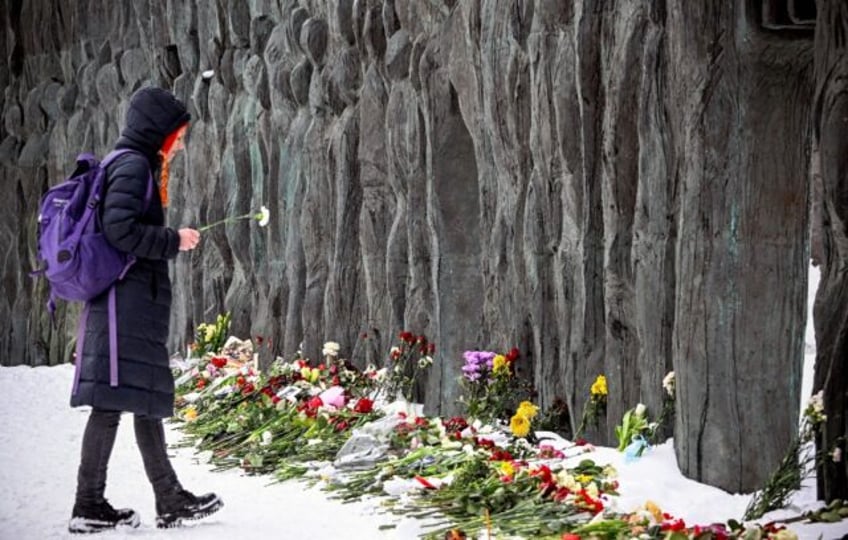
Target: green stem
<point x="222" y="221"/>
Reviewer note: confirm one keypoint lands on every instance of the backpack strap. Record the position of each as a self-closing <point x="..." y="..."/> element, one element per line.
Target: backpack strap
<point x="113" y="342"/>
<point x="113" y="339"/>
<point x="83" y="320"/>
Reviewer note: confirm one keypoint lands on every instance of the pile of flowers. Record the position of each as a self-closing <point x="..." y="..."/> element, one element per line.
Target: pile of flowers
<point x="491" y="388"/>
<point x="256" y="420"/>
<point x="357" y="433"/>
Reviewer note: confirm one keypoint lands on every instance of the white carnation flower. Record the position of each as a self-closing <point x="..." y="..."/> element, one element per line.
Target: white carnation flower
<point x="263" y="216"/>
<point x="331" y="348"/>
<point x="267" y="437"/>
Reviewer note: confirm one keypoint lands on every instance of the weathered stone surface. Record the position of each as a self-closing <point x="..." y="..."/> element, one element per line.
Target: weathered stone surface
<point x="594" y="183"/>
<point x="739" y="245"/>
<point x="397" y="55"/>
<point x="830" y="121"/>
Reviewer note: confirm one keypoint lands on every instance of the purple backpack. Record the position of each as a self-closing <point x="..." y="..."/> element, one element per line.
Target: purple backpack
<point x="76" y="258"/>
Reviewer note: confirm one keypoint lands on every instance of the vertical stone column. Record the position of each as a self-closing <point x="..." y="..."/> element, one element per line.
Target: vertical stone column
<point x="831" y="307"/>
<point x="738" y="106"/>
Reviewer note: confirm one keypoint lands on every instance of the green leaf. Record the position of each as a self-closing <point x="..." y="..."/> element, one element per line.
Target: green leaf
<point x="830" y="517"/>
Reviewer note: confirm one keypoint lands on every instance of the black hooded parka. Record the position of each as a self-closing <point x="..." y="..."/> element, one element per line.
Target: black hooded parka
<point x="143" y="297"/>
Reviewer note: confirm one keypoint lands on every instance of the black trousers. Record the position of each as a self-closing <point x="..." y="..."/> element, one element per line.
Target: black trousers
<point x="97" y="444"/>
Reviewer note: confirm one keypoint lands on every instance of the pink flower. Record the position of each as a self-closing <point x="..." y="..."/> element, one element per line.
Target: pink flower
<point x="333" y="397"/>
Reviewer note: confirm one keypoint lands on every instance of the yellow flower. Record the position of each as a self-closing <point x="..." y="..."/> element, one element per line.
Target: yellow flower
<point x="209" y="333"/>
<point x="599" y="387"/>
<point x="655" y="511"/>
<point x="507" y="469"/>
<point x="310" y="374"/>
<point x="190" y="414"/>
<point x="519" y="425"/>
<point x="527" y="410"/>
<point x="583" y="478"/>
<point x="500" y="365"/>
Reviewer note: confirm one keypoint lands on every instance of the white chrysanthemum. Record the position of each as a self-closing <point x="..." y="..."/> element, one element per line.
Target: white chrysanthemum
<point x="425" y="361"/>
<point x="564" y="479"/>
<point x="449" y="444"/>
<point x="440" y="427"/>
<point x="267" y="437"/>
<point x="331" y="348"/>
<point x="263" y="216"/>
<point x="668" y="383"/>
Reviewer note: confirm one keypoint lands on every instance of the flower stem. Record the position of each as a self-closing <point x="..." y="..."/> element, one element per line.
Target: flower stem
<point x="222" y="221"/>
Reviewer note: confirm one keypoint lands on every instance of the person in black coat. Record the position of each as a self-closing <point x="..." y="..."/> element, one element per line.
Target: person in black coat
<point x="133" y="221"/>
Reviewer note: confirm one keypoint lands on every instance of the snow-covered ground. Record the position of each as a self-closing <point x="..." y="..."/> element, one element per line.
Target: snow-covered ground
<point x="39" y="452"/>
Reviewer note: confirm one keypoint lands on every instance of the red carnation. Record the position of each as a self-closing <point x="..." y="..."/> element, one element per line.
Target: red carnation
<point x="457" y="423"/>
<point x="501" y="455"/>
<point x="219" y="361"/>
<point x="201" y="384"/>
<point x="673" y="525"/>
<point x="486" y="443"/>
<point x="561" y="494"/>
<point x="364" y="406"/>
<point x="513" y="355"/>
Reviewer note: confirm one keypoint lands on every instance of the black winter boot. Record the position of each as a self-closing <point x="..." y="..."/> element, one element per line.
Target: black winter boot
<point x="183" y="505"/>
<point x="92" y="518"/>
